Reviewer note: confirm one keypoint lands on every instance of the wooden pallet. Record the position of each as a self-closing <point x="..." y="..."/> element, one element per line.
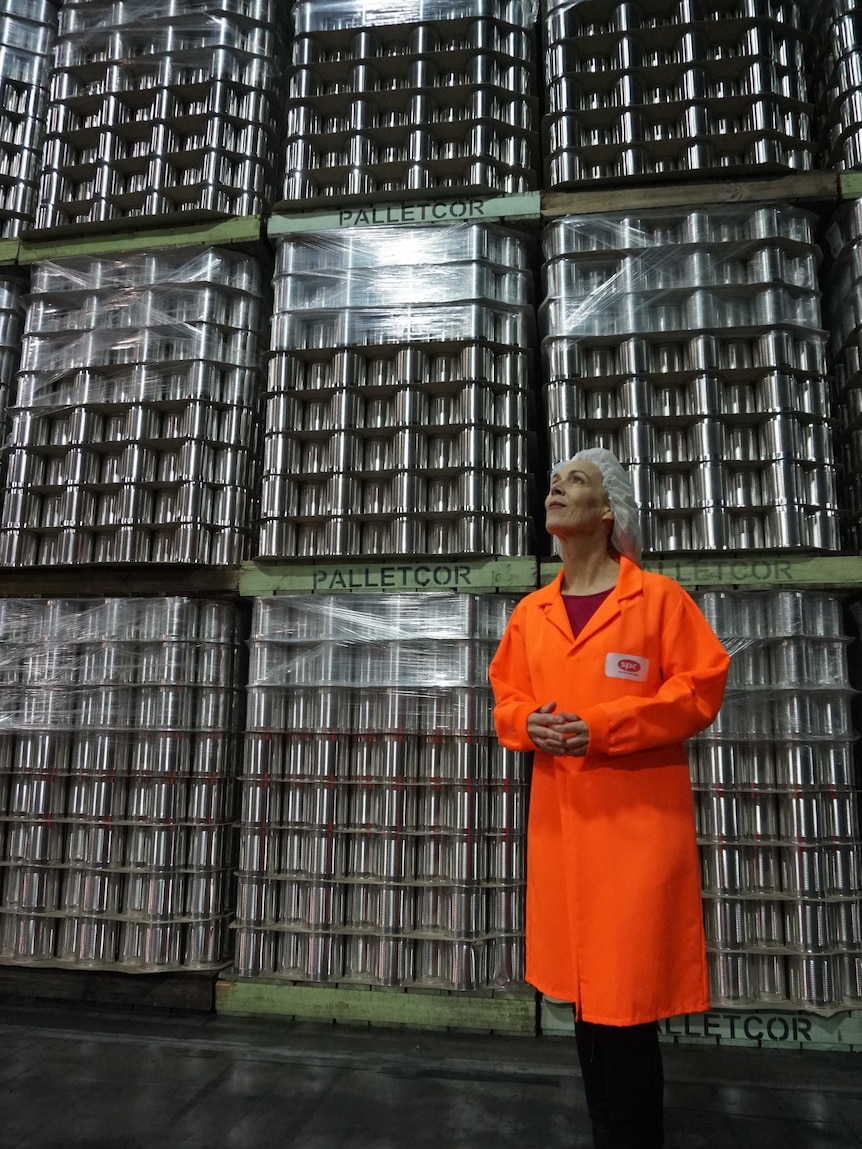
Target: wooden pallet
<point x="511" y="1011"/>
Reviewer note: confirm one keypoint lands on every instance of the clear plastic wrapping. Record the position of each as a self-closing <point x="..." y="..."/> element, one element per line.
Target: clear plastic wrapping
<point x="58" y="621"/>
<point x="788" y="679"/>
<point x="174" y="267"/>
<point x="25" y="45"/>
<point x="386" y="816"/>
<point x="843" y="236"/>
<point x="389" y="248"/>
<point x="776" y="805"/>
<point x="400" y="286"/>
<point x="836" y="42"/>
<point x="386" y="650"/>
<point x="690" y="343"/>
<point x="134" y="432"/>
<point x="407" y="98"/>
<point x="84" y="16"/>
<point x="114" y="822"/>
<point x="622" y="231"/>
<point x="31" y="36"/>
<point x="672" y="271"/>
<point x="158" y="109"/>
<point x="162" y="29"/>
<point x="142" y="312"/>
<point x="380" y="618"/>
<point x="433" y="458"/>
<point x="330" y="15"/>
<point x="632" y="95"/>
<point x="414" y="323"/>
<point x="39" y="11"/>
<point x="366" y="288"/>
<point x="406" y="662"/>
<point x="113" y="665"/>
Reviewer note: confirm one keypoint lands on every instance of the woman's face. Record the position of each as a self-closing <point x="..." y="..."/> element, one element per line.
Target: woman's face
<point x="576" y="502"/>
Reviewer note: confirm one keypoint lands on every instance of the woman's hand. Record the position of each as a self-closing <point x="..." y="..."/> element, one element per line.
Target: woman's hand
<point x="558" y="733"/>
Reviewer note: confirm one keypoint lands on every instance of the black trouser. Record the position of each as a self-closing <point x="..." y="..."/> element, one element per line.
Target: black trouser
<point x="624" y="1083"/>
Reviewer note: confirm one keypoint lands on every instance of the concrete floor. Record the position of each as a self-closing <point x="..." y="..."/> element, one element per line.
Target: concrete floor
<point x="78" y="1078"/>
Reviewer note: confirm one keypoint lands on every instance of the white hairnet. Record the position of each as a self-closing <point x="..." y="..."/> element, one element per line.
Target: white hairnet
<point x="626" y="538"/>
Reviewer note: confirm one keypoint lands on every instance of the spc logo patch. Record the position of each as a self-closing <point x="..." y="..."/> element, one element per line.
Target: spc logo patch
<point x="630" y="666"/>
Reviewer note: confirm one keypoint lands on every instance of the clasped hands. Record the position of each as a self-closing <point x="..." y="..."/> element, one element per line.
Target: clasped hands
<point x="558" y="732"/>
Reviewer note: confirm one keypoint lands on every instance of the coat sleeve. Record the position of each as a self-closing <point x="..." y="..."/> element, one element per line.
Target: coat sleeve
<point x="694" y="668"/>
<point x="513" y="687"/>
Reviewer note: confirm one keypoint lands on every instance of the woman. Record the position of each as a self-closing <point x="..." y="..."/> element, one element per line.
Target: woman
<point x="604" y="674"/>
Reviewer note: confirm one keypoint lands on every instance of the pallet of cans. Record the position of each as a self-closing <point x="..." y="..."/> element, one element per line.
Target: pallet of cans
<point x="158" y="110"/>
<point x="837" y="83"/>
<point x="777" y="807"/>
<point x="674" y="88"/>
<point x="690" y="343"/>
<point x="401" y="98"/>
<point x="119" y="731"/>
<point x="843" y="316"/>
<point x="382" y="825"/>
<point x="134" y="417"/>
<point x="27" y="31"/>
<point x="398" y="402"/>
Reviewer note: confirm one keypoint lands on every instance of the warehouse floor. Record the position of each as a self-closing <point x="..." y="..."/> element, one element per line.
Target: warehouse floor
<point x="76" y="1078"/>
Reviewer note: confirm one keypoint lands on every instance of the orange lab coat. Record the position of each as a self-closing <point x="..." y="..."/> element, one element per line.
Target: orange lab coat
<point x="614" y="912"/>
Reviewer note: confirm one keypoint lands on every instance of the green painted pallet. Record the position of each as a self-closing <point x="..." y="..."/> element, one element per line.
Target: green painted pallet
<point x="395" y="212"/>
<point x="9" y="250"/>
<point x="850" y="184"/>
<point x="500" y="1011"/>
<point x="841" y="572"/>
<point x="658" y="193"/>
<point x="766" y="1027"/>
<point x="239" y="230"/>
<point x="261" y="578"/>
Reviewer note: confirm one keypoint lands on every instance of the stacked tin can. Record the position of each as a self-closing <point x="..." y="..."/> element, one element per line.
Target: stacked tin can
<point x="394" y="98"/>
<point x="160" y="109"/>
<point x="133" y="426"/>
<point x="777" y="806"/>
<point x="382" y="824"/>
<point x="843" y="316"/>
<point x="27" y="31"/>
<point x="398" y="395"/>
<point x="119" y="728"/>
<point x="837" y="83"/>
<point x="674" y="87"/>
<point x="13" y="289"/>
<point x="689" y="342"/>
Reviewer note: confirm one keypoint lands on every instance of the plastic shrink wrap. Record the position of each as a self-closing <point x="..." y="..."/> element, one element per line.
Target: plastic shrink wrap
<point x="382" y="825"/>
<point x="675" y="88"/>
<point x="777" y="806"/>
<point x="27" y="34"/>
<point x="844" y="319"/>
<point x="398" y="410"/>
<point x="181" y="104"/>
<point x="403" y="98"/>
<point x="117" y="748"/>
<point x="837" y="79"/>
<point x="690" y="343"/>
<point x="134" y="425"/>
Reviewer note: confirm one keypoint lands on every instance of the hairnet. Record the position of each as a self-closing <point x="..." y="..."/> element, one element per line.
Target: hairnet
<point x="626" y="536"/>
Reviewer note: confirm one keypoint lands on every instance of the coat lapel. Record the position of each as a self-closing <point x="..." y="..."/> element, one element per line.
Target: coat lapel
<point x="629" y="584"/>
